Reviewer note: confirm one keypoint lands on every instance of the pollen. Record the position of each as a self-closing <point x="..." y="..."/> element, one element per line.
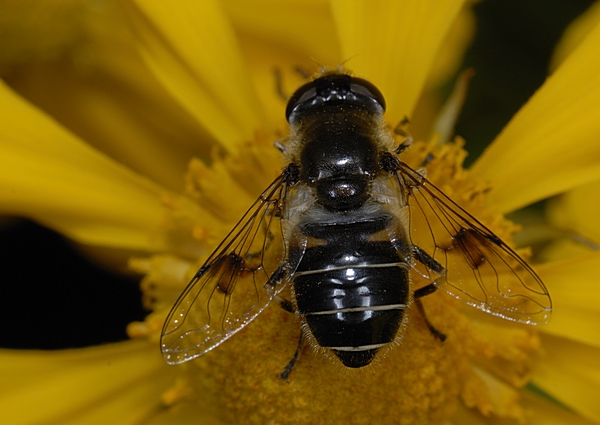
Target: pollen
<point x="418" y="379"/>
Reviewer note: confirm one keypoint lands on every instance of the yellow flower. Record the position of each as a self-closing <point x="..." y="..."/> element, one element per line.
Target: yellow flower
<point x="199" y="77"/>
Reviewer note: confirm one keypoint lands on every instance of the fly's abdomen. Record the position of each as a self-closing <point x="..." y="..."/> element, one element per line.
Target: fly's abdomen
<point x="352" y="291"/>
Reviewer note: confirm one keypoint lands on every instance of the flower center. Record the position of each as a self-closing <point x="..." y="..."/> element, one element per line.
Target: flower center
<point x="417" y="379"/>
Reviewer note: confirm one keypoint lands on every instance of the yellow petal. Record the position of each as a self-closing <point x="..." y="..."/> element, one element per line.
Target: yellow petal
<point x="189" y="414"/>
<point x="551" y="145"/>
<point x="281" y="24"/>
<point x="51" y="176"/>
<point x="393" y="44"/>
<point x="431" y="110"/>
<point x="575" y="34"/>
<point x="117" y="383"/>
<point x="571" y="374"/>
<point x="573" y="285"/>
<point x="96" y="88"/>
<point x="450" y="55"/>
<point x="193" y="51"/>
<point x="270" y="40"/>
<point x="464" y="415"/>
<point x="578" y="211"/>
<point x="34" y="30"/>
<point x="264" y="61"/>
<point x="540" y="411"/>
<point x="564" y="247"/>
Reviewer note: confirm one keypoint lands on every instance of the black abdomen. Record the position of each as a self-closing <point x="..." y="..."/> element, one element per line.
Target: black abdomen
<point x="351" y="290"/>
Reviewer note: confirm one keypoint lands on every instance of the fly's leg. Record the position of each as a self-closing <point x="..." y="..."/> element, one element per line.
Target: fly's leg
<point x="285" y="304"/>
<point x="279" y="84"/>
<point x="402" y="130"/>
<point x="428" y="261"/>
<point x="420" y="293"/>
<point x="289" y="307"/>
<point x="288" y="369"/>
<point x="278" y="75"/>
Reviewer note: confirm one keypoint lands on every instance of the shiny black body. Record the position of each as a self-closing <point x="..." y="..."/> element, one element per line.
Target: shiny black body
<point x="350" y="287"/>
<point x="352" y="309"/>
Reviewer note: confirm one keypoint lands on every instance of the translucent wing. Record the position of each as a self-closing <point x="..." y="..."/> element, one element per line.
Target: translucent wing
<point x="477" y="266"/>
<point x="237" y="282"/>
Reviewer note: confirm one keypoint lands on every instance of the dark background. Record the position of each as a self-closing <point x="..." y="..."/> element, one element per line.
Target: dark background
<point x="52" y="297"/>
<point x="511" y="52"/>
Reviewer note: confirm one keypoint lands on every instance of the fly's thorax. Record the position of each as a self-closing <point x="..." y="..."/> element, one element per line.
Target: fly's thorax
<point x="338" y="140"/>
<point x="339" y="156"/>
<point x="337" y="135"/>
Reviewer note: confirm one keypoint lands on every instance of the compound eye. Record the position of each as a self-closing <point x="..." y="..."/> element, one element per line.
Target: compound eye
<point x="334" y="89"/>
<point x="365" y="88"/>
<point x="306" y="92"/>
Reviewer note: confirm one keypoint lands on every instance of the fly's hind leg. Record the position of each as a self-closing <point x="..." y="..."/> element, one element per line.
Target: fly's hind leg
<point x="285" y="304"/>
<point x="425" y="259"/>
<point x="420" y="293"/>
<point x="275" y="279"/>
<point x="289" y="307"/>
<point x="288" y="369"/>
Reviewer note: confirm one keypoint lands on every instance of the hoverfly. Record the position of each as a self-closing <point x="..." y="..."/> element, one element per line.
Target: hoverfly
<point x="344" y="225"/>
